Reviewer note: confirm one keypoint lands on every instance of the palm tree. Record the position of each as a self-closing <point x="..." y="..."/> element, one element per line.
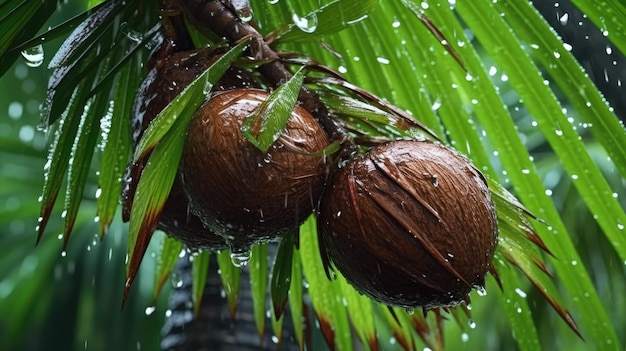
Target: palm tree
<point x="490" y="79"/>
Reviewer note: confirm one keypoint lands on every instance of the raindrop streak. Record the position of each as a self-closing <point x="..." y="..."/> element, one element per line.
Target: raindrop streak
<point x="33" y="56"/>
<point x="240" y="258"/>
<point x="307" y="24"/>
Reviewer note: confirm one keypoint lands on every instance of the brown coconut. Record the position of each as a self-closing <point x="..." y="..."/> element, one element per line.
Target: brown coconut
<point x="237" y="190"/>
<point x="409" y="224"/>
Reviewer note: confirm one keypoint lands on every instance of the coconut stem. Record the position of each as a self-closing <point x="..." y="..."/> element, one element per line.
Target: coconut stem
<point x="223" y="21"/>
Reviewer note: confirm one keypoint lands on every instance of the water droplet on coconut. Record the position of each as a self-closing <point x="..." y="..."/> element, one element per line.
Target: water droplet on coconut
<point x="435" y="180"/>
<point x="240" y="258"/>
<point x="33" y="55"/>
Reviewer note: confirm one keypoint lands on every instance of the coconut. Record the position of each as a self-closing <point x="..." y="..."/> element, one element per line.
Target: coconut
<point x="410" y="223"/>
<point x="240" y="192"/>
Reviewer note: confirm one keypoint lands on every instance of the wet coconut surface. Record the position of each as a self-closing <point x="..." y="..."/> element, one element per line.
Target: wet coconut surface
<point x="409" y="224"/>
<point x="238" y="191"/>
<point x="166" y="79"/>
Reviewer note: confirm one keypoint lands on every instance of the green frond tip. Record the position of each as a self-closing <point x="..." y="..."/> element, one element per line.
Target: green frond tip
<point x="265" y="125"/>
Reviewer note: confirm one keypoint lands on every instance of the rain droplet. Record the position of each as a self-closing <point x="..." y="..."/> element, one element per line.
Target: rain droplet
<point x="435" y="180"/>
<point x="33" y="55"/>
<point x="273" y="2"/>
<point x="240" y="258"/>
<point x="131" y="33"/>
<point x="177" y="280"/>
<point x="307" y="24"/>
<point x="520" y="292"/>
<point x="481" y="291"/>
<point x="436" y="105"/>
<point x="384" y="61"/>
<point x="464" y="337"/>
<point x="563" y="19"/>
<point x="150" y="310"/>
<point x="409" y="310"/>
<point x="471" y="324"/>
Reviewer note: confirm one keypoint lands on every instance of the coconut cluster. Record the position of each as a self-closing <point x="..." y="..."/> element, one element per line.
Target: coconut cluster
<point x="408" y="223"/>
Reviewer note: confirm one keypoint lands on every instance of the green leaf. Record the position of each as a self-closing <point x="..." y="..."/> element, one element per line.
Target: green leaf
<point x="295" y="300"/>
<point x="86" y="34"/>
<point x="564" y="69"/>
<point x="188" y="100"/>
<point x="230" y="279"/>
<point x="258" y="286"/>
<point x="516" y="308"/>
<point x="266" y="123"/>
<point x="59" y="156"/>
<point x="607" y="15"/>
<point x="328" y="19"/>
<point x="19" y="21"/>
<point x="361" y="313"/>
<point x="325" y="295"/>
<point x="200" y="270"/>
<point x="117" y="146"/>
<point x="277" y="327"/>
<point x="152" y="192"/>
<point x="166" y="260"/>
<point x="81" y="156"/>
<point x="281" y="274"/>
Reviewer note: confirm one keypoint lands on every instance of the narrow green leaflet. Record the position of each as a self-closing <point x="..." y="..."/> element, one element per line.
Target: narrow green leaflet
<point x="258" y="285"/>
<point x="230" y="279"/>
<point x="152" y="191"/>
<point x="82" y="154"/>
<point x="166" y="260"/>
<point x="264" y="126"/>
<point x="402" y="333"/>
<point x="86" y="33"/>
<point x="277" y="327"/>
<point x="188" y="100"/>
<point x="59" y="156"/>
<point x="295" y="300"/>
<point x="117" y="146"/>
<point x="328" y="19"/>
<point x="325" y="295"/>
<point x="516" y="308"/>
<point x="361" y="313"/>
<point x="200" y="270"/>
<point x="564" y="69"/>
<point x="607" y="15"/>
<point x="20" y="21"/>
<point x="55" y="32"/>
<point x="281" y="274"/>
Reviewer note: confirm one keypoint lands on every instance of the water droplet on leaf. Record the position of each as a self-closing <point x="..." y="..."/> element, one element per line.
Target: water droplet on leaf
<point x="307" y="24"/>
<point x="33" y="55"/>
